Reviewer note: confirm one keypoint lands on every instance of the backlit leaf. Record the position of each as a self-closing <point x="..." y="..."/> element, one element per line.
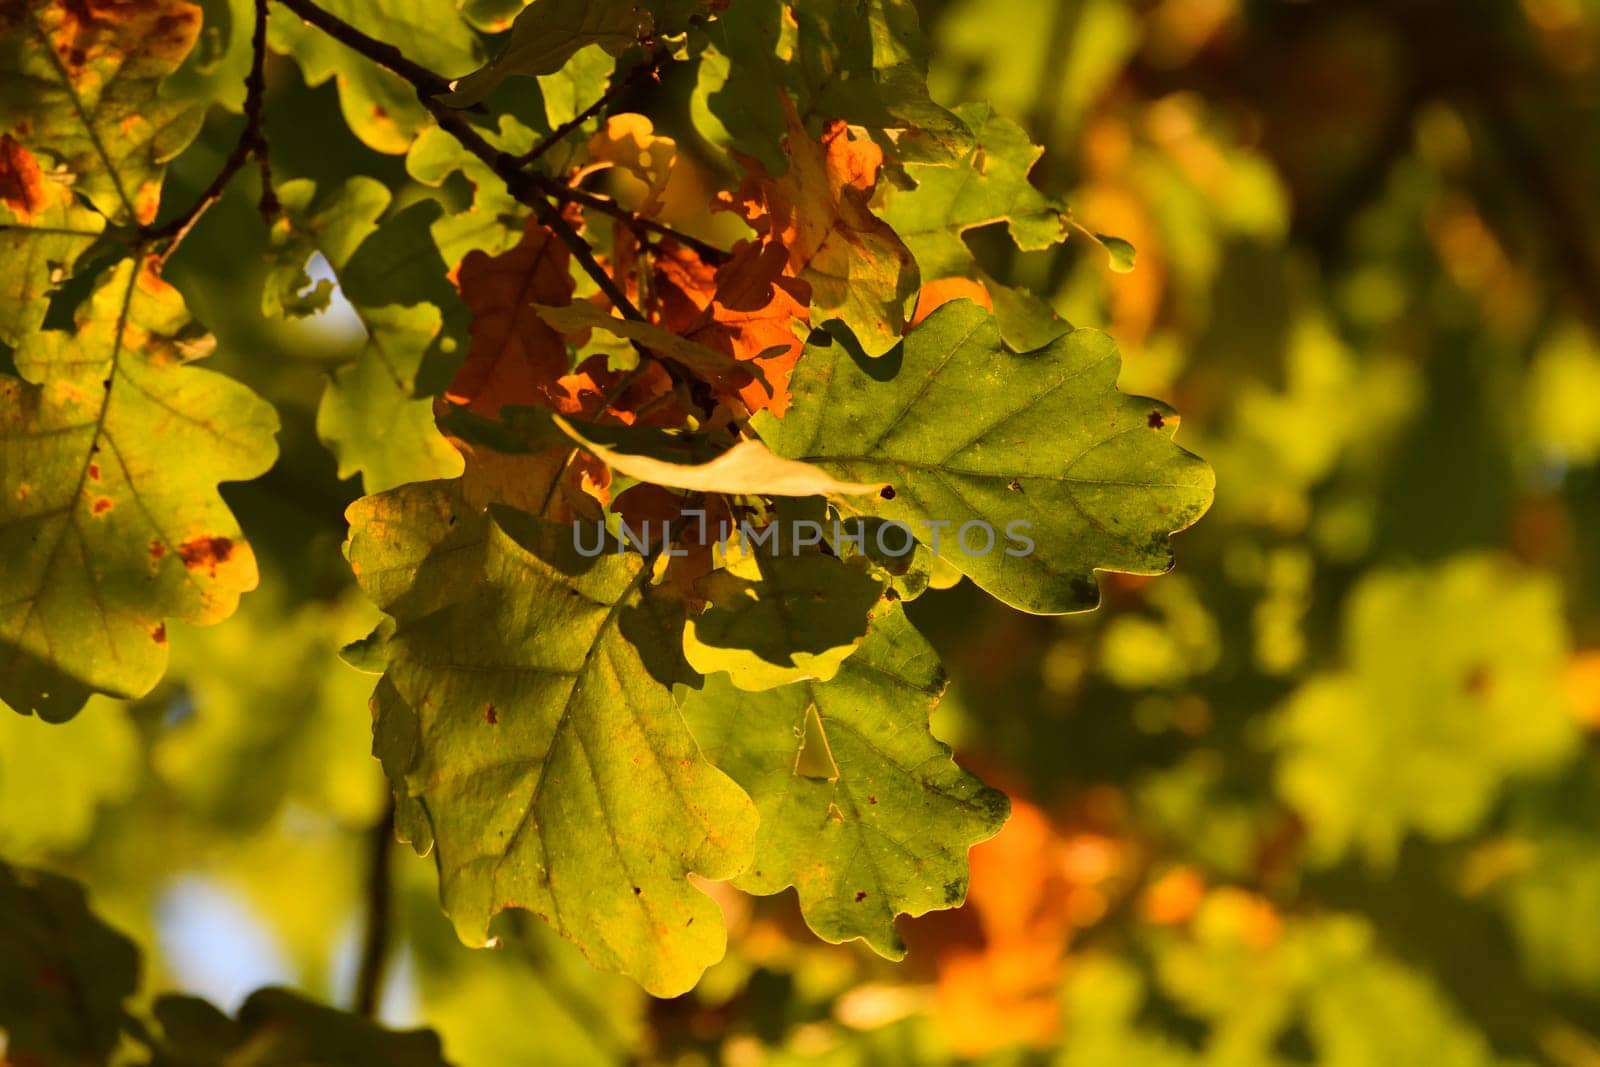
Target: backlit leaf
<point x="378" y="106"/>
<point x="111" y="448"/>
<point x="858" y="268"/>
<point x="371" y="415"/>
<point x="862" y="810"/>
<point x="1038" y="448"/>
<point x="987" y="184"/>
<point x="529" y="714"/>
<point x="80" y="82"/>
<point x="43" y="231"/>
<point x="780" y="618"/>
<point x="546" y="34"/>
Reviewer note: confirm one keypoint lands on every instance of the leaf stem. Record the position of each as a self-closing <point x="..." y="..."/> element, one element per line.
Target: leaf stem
<point x="375" y="944"/>
<point x="252" y="143"/>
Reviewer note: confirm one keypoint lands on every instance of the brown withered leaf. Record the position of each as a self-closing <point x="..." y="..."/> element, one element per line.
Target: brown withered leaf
<point x="515" y="357"/>
<point x="859" y="269"/>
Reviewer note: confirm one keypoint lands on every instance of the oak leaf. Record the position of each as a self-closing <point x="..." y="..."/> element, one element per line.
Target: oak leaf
<point x="80" y="80"/>
<point x="43" y="231"/>
<point x="859" y="269"/>
<point x="111" y="448"/>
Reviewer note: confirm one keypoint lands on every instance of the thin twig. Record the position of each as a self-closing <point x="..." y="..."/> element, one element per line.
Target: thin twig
<point x="375" y="945"/>
<point x="528" y="188"/>
<point x="252" y="142"/>
<point x="526" y="191"/>
<point x="606" y="206"/>
<point x="648" y="68"/>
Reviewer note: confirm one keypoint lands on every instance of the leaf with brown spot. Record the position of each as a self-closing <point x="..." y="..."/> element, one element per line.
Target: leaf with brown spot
<point x="592" y="805"/>
<point x="43" y="231"/>
<point x="89" y="568"/>
<point x="80" y="82"/>
<point x="859" y="269"/>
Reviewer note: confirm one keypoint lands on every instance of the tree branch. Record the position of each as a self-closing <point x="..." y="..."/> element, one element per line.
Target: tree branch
<point x="632" y="219"/>
<point x="529" y="188"/>
<point x="648" y="68"/>
<point x="375" y="945"/>
<point x="526" y="190"/>
<point x="252" y="142"/>
<point x="385" y="55"/>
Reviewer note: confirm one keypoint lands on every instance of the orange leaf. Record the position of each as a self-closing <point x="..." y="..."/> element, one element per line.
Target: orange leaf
<point x="515" y="357"/>
<point x="749" y="308"/>
<point x="935" y="294"/>
<point x="858" y="268"/>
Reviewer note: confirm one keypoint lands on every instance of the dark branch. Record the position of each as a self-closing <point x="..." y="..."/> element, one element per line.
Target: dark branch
<point x="252" y="142"/>
<point x="531" y="189"/>
<point x="632" y="219"/>
<point x="385" y="55"/>
<point x="526" y="190"/>
<point x="648" y="69"/>
<point x="375" y="945"/>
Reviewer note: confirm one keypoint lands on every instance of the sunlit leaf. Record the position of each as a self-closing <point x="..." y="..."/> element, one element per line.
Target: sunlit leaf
<point x="80" y="83"/>
<point x="378" y="106"/>
<point x="1062" y="474"/>
<point x="988" y="184"/>
<point x="780" y="618"/>
<point x="862" y="809"/>
<point x="43" y="231"/>
<point x="110" y="520"/>
<point x="528" y="710"/>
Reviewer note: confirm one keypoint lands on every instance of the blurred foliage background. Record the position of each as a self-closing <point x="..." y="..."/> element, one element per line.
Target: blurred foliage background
<point x="1329" y="793"/>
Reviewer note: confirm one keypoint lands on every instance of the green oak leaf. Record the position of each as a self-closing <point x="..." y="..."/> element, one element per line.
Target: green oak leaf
<point x="862" y="810"/>
<point x="373" y="416"/>
<point x="581" y="81"/>
<point x="379" y="107"/>
<point x="968" y="432"/>
<point x="111" y="448"/>
<point x="43" y="231"/>
<point x="495" y="221"/>
<point x="64" y="974"/>
<point x="335" y="224"/>
<point x="217" y="66"/>
<point x="1457" y="666"/>
<point x="546" y="34"/>
<point x="278" y="1028"/>
<point x="865" y="63"/>
<point x="82" y="84"/>
<point x="985" y="185"/>
<point x="526" y="718"/>
<point x="781" y="618"/>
